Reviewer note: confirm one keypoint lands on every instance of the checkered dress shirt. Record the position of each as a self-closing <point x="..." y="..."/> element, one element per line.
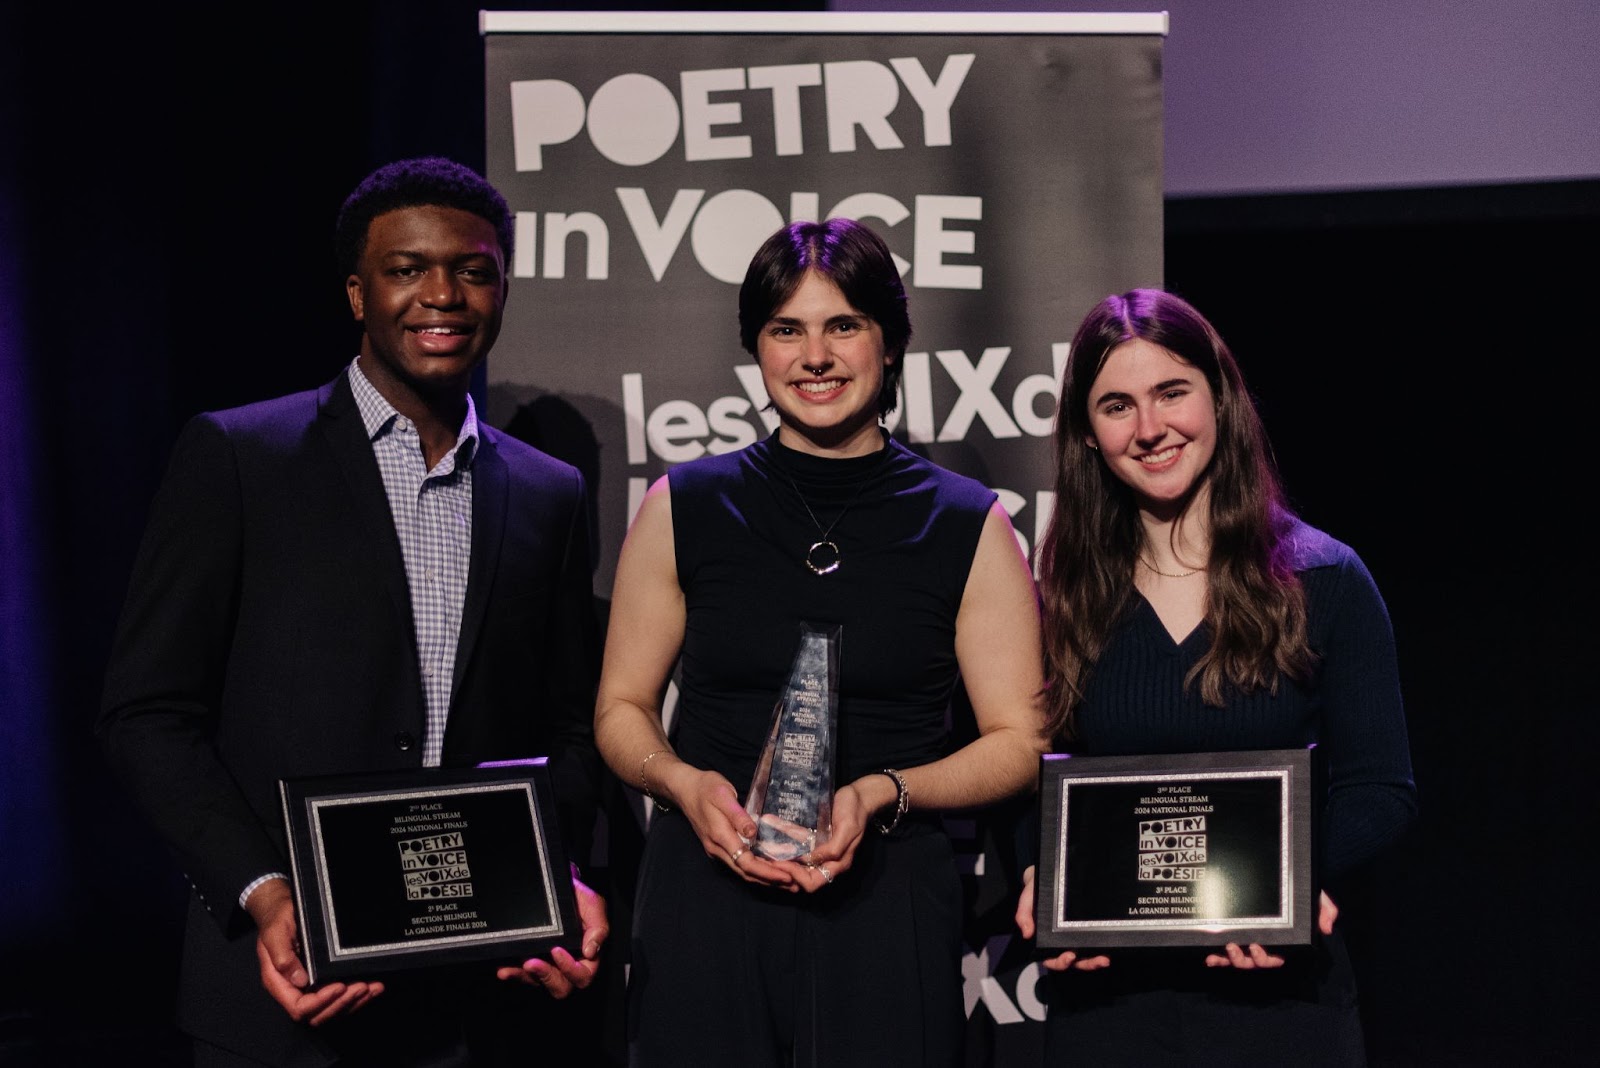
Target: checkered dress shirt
<point x="433" y="517"/>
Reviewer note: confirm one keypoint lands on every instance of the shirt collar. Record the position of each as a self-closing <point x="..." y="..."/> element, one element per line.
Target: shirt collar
<point x="378" y="415"/>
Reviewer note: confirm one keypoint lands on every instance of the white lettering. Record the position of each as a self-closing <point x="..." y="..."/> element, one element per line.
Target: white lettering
<point x="786" y="82"/>
<point x="976" y="398"/>
<point x="633" y="120"/>
<point x="633" y="415"/>
<point x="726" y="229"/>
<point x="543" y="112"/>
<point x="935" y="98"/>
<point x="749" y="376"/>
<point x="1014" y="502"/>
<point x="1025" y="397"/>
<point x="803" y="207"/>
<point x="723" y="415"/>
<point x="658" y="241"/>
<point x="558" y="226"/>
<point x="525" y="243"/>
<point x="1027" y="991"/>
<point x="860" y="93"/>
<point x="678" y="430"/>
<point x="729" y="229"/>
<point x="918" y="398"/>
<point x="674" y="422"/>
<point x="874" y="206"/>
<point x="1044" y="506"/>
<point x="978" y="982"/>
<point x="700" y="115"/>
<point x="637" y="488"/>
<point x="933" y="241"/>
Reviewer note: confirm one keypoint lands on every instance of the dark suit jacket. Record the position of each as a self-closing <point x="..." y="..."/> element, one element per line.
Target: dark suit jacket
<point x="268" y="633"/>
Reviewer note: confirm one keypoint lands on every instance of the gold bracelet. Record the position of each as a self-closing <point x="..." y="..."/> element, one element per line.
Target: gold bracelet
<point x="902" y="801"/>
<point x="644" y="783"/>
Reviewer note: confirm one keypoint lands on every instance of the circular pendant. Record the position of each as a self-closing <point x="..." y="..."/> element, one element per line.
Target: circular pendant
<point x="823" y="557"/>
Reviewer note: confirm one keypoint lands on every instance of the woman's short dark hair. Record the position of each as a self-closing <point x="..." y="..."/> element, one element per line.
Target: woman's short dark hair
<point x="426" y="181"/>
<point x="849" y="255"/>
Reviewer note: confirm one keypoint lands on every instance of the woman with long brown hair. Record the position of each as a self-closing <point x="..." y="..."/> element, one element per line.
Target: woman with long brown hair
<point x="1187" y="609"/>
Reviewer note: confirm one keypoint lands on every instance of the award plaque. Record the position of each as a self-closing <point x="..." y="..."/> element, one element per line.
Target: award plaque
<point x="1194" y="849"/>
<point x="406" y="870"/>
<point x="791" y="795"/>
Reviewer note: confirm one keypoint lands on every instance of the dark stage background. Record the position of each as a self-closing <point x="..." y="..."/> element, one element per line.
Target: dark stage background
<point x="167" y="193"/>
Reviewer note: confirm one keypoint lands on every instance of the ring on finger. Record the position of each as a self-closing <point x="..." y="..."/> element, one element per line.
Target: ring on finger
<point x="737" y="853"/>
<point x="827" y="876"/>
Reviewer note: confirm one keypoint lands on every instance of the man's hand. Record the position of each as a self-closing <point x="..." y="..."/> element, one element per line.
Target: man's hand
<point x="282" y="975"/>
<point x="561" y="975"/>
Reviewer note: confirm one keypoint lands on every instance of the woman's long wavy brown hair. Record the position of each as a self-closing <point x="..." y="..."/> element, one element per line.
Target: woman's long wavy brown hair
<point x="1255" y="606"/>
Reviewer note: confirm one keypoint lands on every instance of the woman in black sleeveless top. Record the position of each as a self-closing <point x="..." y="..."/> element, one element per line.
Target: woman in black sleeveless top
<point x="851" y="953"/>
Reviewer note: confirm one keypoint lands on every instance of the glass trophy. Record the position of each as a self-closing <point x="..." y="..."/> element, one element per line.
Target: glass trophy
<point x="791" y="795"/>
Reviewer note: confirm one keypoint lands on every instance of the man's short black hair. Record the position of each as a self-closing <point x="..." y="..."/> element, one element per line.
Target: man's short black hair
<point x="427" y="181"/>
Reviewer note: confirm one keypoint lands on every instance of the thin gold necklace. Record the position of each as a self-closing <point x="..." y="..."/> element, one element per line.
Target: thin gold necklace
<point x="1167" y="574"/>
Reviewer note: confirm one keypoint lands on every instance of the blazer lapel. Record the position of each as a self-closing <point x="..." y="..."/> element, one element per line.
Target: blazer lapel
<point x="490" y="485"/>
<point x="341" y="427"/>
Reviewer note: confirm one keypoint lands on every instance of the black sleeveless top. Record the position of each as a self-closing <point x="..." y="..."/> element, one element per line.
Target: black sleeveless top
<point x="906" y="530"/>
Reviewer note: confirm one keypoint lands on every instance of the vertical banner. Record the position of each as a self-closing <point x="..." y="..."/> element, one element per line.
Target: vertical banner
<point x="1011" y="161"/>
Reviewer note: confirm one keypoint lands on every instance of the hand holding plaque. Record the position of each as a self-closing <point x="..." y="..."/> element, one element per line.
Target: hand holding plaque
<point x="791" y="794"/>
<point x="405" y="870"/>
<point x="1193" y="849"/>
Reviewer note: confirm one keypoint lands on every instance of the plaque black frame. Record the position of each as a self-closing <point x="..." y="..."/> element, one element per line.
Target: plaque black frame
<point x="358" y="923"/>
<point x="1079" y="907"/>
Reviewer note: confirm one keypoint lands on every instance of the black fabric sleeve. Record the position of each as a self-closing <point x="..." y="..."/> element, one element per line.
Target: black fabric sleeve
<point x="163" y="685"/>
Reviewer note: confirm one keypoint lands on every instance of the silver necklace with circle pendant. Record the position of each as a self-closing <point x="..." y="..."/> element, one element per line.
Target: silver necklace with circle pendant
<point x="823" y="558"/>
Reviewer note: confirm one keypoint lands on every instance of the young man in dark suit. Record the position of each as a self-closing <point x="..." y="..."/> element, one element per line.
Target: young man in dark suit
<point x="359" y="578"/>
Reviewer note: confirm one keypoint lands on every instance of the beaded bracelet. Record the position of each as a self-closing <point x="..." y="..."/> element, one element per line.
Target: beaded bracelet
<point x="902" y="801"/>
<point x="644" y="783"/>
